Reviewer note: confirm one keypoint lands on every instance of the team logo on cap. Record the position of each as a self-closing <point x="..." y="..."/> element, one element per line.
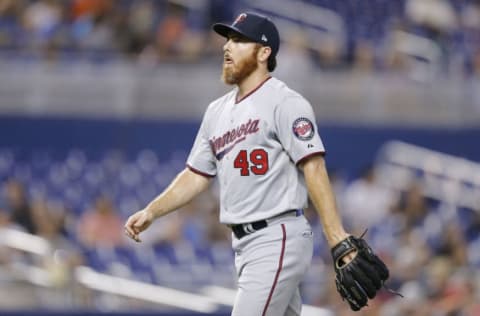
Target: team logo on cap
<point x="303" y="128"/>
<point x="240" y="18"/>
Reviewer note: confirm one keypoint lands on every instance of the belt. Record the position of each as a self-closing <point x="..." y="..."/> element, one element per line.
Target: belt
<point x="241" y="230"/>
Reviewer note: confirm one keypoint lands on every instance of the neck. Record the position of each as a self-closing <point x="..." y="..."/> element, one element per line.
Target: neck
<point x="251" y="82"/>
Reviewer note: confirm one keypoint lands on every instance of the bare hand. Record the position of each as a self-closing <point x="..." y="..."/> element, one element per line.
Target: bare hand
<point x="137" y="223"/>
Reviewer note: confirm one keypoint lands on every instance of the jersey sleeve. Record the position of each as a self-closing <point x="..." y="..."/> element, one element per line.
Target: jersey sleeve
<point x="201" y="159"/>
<point x="297" y="129"/>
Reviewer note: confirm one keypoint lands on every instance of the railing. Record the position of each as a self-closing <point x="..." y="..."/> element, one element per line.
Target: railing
<point x="446" y="178"/>
<point x="209" y="300"/>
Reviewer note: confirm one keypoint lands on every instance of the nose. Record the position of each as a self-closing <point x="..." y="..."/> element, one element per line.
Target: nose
<point x="226" y="45"/>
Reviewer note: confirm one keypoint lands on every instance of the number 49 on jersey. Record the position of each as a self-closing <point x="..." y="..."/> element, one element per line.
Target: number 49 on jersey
<point x="255" y="162"/>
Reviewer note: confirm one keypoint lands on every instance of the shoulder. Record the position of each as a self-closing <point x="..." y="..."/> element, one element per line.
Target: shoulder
<point x="215" y="107"/>
<point x="285" y="95"/>
<point x="219" y="102"/>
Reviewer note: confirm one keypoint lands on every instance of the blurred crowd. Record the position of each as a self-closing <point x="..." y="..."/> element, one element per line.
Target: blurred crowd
<point x="431" y="248"/>
<point x="412" y="35"/>
<point x="105" y="30"/>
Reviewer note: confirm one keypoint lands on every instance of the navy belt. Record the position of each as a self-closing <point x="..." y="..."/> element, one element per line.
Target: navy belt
<point x="241" y="230"/>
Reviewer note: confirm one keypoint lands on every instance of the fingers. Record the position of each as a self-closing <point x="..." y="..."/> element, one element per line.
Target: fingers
<point x="349" y="257"/>
<point x="138" y="225"/>
<point x="131" y="229"/>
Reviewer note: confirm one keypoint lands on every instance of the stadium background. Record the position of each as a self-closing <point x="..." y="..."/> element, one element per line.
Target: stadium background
<point x="100" y="102"/>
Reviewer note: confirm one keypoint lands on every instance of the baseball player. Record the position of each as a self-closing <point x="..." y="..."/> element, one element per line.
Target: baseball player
<point x="261" y="142"/>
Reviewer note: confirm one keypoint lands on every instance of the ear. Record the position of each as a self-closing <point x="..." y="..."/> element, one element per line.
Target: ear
<point x="263" y="53"/>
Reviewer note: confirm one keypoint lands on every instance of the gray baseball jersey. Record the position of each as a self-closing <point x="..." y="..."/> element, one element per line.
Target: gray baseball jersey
<point x="253" y="145"/>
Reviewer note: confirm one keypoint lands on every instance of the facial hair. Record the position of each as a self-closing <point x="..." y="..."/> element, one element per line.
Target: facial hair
<point x="237" y="72"/>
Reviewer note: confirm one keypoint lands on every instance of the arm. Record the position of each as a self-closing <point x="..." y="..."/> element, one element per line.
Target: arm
<point x="322" y="196"/>
<point x="359" y="273"/>
<point x="182" y="190"/>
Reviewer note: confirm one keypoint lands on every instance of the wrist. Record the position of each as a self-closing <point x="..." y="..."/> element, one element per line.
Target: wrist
<point x="334" y="238"/>
<point x="150" y="211"/>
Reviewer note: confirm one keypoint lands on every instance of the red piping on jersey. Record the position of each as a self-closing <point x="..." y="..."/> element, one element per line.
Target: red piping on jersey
<point x="317" y="153"/>
<point x="200" y="172"/>
<point x="237" y="101"/>
<point x="280" y="265"/>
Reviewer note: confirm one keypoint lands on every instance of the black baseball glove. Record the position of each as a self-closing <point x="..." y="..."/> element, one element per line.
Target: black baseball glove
<point x="361" y="278"/>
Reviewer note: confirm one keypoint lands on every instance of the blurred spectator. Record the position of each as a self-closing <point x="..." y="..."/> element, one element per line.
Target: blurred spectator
<point x="452" y="244"/>
<point x="413" y="302"/>
<point x="82" y="8"/>
<point x="10" y="11"/>
<point x="428" y="223"/>
<point x="395" y="57"/>
<point x="40" y="20"/>
<point x="445" y="294"/>
<point x="65" y="254"/>
<point x="19" y="207"/>
<point x="328" y="53"/>
<point x="413" y="206"/>
<point x="94" y="32"/>
<point x="174" y="38"/>
<point x="4" y="216"/>
<point x="470" y="21"/>
<point x="435" y="20"/>
<point x="101" y="226"/>
<point x="409" y="256"/>
<point x="472" y="229"/>
<point x="364" y="56"/>
<point x="437" y="17"/>
<point x="5" y="253"/>
<point x="51" y="218"/>
<point x="366" y="202"/>
<point x="293" y="58"/>
<point x="472" y="235"/>
<point x="137" y="29"/>
<point x="198" y="217"/>
<point x="216" y="233"/>
<point x="170" y="30"/>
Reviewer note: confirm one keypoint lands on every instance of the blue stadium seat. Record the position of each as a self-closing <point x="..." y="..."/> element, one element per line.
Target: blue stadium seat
<point x="133" y="263"/>
<point x="165" y="252"/>
<point x="95" y="260"/>
<point x="473" y="253"/>
<point x="222" y="253"/>
<point x="6" y="162"/>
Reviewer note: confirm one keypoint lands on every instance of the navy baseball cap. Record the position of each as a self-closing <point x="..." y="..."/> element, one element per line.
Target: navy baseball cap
<point x="255" y="27"/>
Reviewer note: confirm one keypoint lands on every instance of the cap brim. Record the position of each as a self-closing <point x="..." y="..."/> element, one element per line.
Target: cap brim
<point x="225" y="29"/>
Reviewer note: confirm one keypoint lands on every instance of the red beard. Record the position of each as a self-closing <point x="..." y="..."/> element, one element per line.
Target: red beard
<point x="236" y="73"/>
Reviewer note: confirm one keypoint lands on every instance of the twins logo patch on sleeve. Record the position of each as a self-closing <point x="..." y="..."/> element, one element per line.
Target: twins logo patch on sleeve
<point x="303" y="128"/>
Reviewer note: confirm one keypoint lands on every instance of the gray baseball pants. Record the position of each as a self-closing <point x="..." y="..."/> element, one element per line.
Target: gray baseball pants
<point x="270" y="264"/>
